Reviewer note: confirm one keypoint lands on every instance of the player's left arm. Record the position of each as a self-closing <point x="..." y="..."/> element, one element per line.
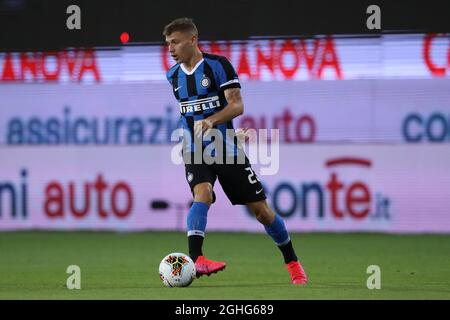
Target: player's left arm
<point x="235" y="107"/>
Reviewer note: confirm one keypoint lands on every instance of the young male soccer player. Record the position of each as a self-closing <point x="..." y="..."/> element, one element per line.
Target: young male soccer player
<point x="208" y="90"/>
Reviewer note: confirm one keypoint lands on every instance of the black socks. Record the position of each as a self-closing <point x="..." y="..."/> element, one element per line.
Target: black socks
<point x="288" y="252"/>
<point x="195" y="246"/>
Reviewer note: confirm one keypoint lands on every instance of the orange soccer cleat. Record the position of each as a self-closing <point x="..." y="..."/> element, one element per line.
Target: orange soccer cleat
<point x="204" y="266"/>
<point x="298" y="275"/>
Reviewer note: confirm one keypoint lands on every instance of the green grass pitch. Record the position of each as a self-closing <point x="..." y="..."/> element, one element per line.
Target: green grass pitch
<point x="125" y="266"/>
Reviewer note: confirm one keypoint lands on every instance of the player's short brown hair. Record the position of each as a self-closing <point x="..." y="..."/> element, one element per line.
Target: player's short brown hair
<point x="181" y="24"/>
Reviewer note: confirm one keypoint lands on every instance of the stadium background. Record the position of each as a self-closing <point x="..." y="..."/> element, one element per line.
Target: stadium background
<point x="73" y="118"/>
<point x="364" y="122"/>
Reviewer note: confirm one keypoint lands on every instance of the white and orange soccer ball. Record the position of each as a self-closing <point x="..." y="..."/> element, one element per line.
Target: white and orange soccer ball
<point x="177" y="270"/>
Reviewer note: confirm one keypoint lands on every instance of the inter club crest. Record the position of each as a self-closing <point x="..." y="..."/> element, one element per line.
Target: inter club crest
<point x="206" y="82"/>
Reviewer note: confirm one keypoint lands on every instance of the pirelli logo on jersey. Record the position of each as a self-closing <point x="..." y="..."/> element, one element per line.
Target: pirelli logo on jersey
<point x="199" y="104"/>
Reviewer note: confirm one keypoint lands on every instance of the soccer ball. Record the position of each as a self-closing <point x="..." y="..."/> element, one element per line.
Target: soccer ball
<point x="177" y="270"/>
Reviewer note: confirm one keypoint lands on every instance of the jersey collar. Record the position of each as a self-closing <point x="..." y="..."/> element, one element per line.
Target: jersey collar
<point x="193" y="70"/>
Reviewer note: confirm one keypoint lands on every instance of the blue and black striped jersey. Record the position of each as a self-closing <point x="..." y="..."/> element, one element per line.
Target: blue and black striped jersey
<point x="200" y="94"/>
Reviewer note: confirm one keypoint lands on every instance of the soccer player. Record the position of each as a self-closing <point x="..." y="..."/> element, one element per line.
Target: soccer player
<point x="208" y="91"/>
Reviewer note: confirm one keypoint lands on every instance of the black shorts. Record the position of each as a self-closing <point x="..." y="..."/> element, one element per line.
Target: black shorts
<point x="239" y="182"/>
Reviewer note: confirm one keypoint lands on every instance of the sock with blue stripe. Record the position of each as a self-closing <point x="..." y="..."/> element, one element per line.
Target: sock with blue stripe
<point x="277" y="231"/>
<point x="196" y="224"/>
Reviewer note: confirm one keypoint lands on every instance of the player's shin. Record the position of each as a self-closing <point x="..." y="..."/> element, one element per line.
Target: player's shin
<point x="196" y="225"/>
<point x="277" y="231"/>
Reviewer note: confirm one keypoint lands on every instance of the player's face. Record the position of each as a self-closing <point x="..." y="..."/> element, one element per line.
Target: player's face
<point x="181" y="45"/>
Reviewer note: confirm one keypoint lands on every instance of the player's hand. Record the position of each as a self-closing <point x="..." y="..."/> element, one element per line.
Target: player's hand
<point x="241" y="134"/>
<point x="202" y="127"/>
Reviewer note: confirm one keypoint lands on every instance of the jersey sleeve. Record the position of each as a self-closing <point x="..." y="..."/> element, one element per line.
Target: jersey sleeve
<point x="168" y="77"/>
<point x="228" y="77"/>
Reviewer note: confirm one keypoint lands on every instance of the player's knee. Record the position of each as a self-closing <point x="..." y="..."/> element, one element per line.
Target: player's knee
<point x="203" y="193"/>
<point x="204" y="196"/>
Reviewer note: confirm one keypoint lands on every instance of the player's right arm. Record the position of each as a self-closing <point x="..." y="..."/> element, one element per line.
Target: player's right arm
<point x="235" y="107"/>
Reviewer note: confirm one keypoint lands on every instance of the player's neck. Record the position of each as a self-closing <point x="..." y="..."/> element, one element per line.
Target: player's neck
<point x="192" y="62"/>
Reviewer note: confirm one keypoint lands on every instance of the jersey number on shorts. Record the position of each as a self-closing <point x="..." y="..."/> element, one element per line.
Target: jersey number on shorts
<point x="252" y="178"/>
